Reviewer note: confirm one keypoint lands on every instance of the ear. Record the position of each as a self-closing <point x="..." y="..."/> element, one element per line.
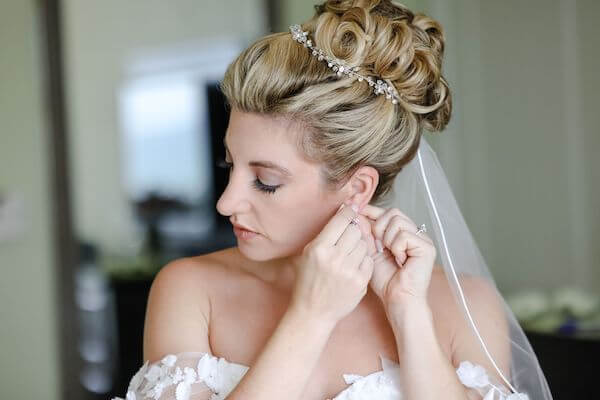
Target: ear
<point x="361" y="186"/>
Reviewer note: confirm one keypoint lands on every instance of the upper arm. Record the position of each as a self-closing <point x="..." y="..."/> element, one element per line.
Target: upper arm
<point x="178" y="311"/>
<point x="487" y="310"/>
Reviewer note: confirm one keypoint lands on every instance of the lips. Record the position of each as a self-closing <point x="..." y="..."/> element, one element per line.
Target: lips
<point x="242" y="227"/>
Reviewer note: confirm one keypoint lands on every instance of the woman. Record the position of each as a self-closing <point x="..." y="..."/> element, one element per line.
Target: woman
<point x="326" y="286"/>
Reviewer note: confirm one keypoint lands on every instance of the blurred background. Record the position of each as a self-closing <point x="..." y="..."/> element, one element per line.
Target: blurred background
<point x="111" y="127"/>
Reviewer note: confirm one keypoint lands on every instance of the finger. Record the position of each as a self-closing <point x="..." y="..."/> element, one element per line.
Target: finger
<point x="372" y="211"/>
<point x="397" y="224"/>
<point x="357" y="254"/>
<point x="366" y="268"/>
<point x="336" y="226"/>
<point x="425" y="237"/>
<point x="383" y="221"/>
<point x="367" y="234"/>
<point x="351" y="236"/>
<point x="375" y="212"/>
<point x="412" y="245"/>
<point x="401" y="259"/>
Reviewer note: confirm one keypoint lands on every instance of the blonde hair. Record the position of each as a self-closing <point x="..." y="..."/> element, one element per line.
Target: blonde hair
<point x="345" y="125"/>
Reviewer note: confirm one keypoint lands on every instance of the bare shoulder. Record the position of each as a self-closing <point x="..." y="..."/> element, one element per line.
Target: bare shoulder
<point x="487" y="308"/>
<point x="198" y="272"/>
<point x="179" y="305"/>
<point x="484" y="302"/>
<point x="184" y="276"/>
<point x="441" y="295"/>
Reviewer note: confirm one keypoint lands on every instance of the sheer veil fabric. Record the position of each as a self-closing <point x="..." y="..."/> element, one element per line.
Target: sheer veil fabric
<point x="423" y="193"/>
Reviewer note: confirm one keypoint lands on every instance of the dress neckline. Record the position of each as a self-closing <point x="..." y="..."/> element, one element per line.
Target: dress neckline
<point x="349" y="378"/>
<point x="384" y="362"/>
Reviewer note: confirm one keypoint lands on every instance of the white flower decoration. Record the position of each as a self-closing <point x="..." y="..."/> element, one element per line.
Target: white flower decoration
<point x="177" y="376"/>
<point x="189" y="375"/>
<point x="183" y="391"/>
<point x="137" y="379"/>
<point x="153" y="374"/>
<point x="169" y="360"/>
<point x="473" y="376"/>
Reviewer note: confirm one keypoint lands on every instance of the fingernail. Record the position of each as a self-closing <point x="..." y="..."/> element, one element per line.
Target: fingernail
<point x="379" y="246"/>
<point x="355" y="207"/>
<point x="342" y="206"/>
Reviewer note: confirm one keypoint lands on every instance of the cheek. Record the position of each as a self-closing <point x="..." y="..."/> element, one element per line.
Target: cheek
<point x="304" y="221"/>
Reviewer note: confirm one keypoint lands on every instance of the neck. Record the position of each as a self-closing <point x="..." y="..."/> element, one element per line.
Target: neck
<point x="278" y="272"/>
<point x="281" y="272"/>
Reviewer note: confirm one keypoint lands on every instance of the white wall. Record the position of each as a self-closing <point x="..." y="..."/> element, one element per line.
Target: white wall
<point x="28" y="336"/>
<point x="104" y="40"/>
<point x="296" y="12"/>
<point x="520" y="148"/>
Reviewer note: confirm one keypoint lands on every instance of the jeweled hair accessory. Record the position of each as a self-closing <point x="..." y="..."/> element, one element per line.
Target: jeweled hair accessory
<point x="340" y="67"/>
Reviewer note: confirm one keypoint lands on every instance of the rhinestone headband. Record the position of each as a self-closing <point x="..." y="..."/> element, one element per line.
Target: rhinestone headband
<point x="340" y="67"/>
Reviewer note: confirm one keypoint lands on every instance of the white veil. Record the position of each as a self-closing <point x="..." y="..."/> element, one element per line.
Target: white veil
<point x="424" y="195"/>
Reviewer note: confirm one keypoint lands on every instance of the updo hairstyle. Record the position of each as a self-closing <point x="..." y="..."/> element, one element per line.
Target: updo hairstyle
<point x="345" y="125"/>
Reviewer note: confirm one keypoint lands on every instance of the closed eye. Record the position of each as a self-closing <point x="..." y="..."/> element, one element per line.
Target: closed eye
<point x="257" y="184"/>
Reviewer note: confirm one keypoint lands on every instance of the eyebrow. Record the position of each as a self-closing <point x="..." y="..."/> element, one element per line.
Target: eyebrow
<point x="263" y="163"/>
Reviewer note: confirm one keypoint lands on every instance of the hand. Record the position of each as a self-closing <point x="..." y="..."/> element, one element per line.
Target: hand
<point x="403" y="270"/>
<point x="333" y="271"/>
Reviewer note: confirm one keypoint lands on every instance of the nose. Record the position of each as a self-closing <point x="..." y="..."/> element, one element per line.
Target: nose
<point x="232" y="200"/>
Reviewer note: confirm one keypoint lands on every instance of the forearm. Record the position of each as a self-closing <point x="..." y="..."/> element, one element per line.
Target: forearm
<point x="287" y="361"/>
<point x="425" y="373"/>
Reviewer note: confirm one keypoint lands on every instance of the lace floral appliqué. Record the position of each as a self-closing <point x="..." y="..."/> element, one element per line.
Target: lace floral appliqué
<point x="185" y="375"/>
<point x="475" y="376"/>
<point x="151" y="381"/>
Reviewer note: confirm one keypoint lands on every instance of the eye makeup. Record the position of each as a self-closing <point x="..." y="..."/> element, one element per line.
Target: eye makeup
<point x="257" y="184"/>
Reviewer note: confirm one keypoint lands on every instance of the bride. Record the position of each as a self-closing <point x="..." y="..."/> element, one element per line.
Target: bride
<point x="328" y="293"/>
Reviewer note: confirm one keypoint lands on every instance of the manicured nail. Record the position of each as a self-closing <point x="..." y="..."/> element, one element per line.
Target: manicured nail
<point x="379" y="246"/>
<point x="342" y="206"/>
<point x="355" y="207"/>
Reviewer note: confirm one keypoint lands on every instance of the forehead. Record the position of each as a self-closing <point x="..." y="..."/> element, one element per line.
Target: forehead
<point x="253" y="136"/>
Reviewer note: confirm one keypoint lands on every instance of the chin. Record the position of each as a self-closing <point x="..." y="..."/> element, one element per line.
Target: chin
<point x="257" y="252"/>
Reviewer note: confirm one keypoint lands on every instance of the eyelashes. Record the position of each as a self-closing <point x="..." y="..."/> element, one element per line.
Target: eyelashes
<point x="257" y="184"/>
<point x="264" y="188"/>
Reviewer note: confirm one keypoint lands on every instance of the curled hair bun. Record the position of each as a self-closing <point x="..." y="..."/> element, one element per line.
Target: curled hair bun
<point x="388" y="40"/>
<point x="343" y="123"/>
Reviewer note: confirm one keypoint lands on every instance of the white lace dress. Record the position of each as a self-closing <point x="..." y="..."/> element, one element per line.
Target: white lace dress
<point x="202" y="376"/>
